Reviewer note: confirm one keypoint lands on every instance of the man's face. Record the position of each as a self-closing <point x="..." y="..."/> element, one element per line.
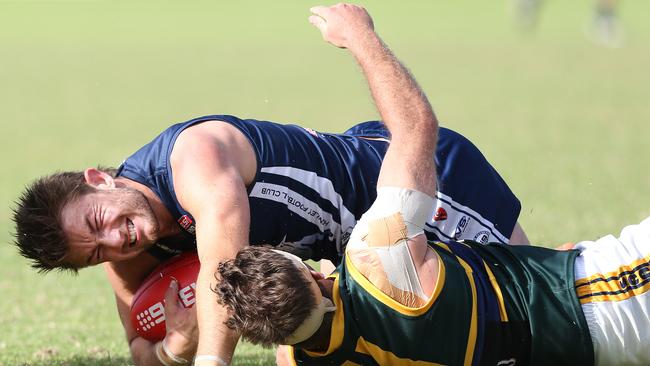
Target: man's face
<point x="109" y="224"/>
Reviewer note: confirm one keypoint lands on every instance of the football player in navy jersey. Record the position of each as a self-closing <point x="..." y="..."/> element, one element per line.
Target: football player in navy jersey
<point x="218" y="183"/>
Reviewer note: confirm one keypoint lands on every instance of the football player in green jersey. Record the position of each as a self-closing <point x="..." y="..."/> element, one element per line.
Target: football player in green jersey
<point x="397" y="299"/>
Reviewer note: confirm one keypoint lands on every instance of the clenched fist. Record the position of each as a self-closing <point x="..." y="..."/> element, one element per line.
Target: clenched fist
<point x="343" y="25"/>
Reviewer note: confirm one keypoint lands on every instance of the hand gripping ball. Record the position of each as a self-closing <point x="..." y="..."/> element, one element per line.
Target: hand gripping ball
<point x="148" y="305"/>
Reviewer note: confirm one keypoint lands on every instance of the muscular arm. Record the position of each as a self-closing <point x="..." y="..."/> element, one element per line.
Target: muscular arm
<point x="401" y="103"/>
<point x="211" y="184"/>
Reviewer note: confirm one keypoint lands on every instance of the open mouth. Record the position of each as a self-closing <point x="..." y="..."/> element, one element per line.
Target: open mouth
<point x="133" y="236"/>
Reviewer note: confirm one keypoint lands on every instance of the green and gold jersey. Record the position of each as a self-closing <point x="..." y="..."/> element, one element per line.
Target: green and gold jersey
<point x="492" y="305"/>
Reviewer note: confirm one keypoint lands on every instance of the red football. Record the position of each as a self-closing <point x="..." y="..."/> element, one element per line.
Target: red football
<point x="147" y="308"/>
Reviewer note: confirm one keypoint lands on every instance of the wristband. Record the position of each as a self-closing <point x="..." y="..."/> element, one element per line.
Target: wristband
<point x="170" y="354"/>
<point x="163" y="353"/>
<point x="159" y="352"/>
<point x="220" y="361"/>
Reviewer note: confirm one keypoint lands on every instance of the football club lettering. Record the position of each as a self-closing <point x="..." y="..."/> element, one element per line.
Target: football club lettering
<point x="297" y="203"/>
<point x="623" y="284"/>
<point x="635" y="278"/>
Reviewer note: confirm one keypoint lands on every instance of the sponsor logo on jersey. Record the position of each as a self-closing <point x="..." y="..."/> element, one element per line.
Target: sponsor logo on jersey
<point x="440" y="215"/>
<point x="482" y="237"/>
<point x="462" y="225"/>
<point x="186" y="223"/>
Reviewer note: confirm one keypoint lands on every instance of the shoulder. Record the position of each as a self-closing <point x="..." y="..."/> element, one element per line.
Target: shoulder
<point x="215" y="144"/>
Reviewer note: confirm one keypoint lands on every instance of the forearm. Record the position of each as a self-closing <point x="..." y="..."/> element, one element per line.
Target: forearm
<point x="406" y="112"/>
<point x="217" y="244"/>
<point x="397" y="95"/>
<point x="216" y="338"/>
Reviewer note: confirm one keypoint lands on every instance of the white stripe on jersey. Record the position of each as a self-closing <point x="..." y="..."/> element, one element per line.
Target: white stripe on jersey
<point x="299" y="205"/>
<point x="326" y="190"/>
<point x="462" y="222"/>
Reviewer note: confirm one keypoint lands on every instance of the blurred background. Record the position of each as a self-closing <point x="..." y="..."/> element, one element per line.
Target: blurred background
<point x="555" y="94"/>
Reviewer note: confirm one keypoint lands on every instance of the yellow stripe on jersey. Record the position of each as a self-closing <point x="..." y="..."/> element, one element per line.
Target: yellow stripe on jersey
<point x="292" y="356"/>
<point x="471" y="341"/>
<point x="627" y="268"/>
<point x="338" y="323"/>
<point x="389" y="301"/>
<point x="497" y="291"/>
<point x="617" y="297"/>
<point x="350" y="363"/>
<point x="443" y="246"/>
<point x="625" y="282"/>
<point x="386" y="357"/>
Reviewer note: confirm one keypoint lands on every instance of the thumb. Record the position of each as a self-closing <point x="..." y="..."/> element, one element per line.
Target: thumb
<point x="171" y="297"/>
<point x="318" y="22"/>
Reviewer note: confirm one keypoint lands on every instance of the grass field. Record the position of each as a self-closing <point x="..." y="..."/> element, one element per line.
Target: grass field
<point x="566" y="122"/>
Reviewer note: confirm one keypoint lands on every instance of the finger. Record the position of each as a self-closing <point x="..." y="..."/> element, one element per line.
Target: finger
<point x="317" y="21"/>
<point x="321" y="11"/>
<point x="171" y="295"/>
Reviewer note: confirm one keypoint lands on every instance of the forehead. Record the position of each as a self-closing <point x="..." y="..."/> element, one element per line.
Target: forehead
<point x="75" y="218"/>
<point x="76" y="211"/>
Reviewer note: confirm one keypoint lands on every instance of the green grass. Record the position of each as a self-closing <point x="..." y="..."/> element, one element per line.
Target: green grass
<point x="87" y="82"/>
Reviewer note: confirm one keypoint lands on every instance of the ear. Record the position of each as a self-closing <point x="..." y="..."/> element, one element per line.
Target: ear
<point x="98" y="179"/>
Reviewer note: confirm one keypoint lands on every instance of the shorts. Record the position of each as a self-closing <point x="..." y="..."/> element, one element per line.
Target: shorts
<point x="613" y="286"/>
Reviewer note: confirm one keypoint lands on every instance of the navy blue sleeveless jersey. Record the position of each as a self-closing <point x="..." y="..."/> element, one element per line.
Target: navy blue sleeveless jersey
<point x="312" y="187"/>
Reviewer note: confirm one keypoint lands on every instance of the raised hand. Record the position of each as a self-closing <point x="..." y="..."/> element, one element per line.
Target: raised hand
<point x="343" y="25"/>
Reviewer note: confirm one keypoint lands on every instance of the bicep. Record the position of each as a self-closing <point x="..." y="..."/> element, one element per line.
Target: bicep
<point x="213" y="191"/>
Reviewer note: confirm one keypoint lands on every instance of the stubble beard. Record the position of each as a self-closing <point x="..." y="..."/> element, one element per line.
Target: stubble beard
<point x="135" y="201"/>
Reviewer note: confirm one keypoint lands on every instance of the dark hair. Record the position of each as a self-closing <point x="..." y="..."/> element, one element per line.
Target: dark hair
<point x="37" y="216"/>
<point x="266" y="295"/>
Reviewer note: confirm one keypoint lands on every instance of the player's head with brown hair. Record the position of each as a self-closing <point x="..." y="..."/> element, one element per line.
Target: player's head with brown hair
<point x="272" y="298"/>
<point x="37" y="216"/>
<point x="70" y="220"/>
